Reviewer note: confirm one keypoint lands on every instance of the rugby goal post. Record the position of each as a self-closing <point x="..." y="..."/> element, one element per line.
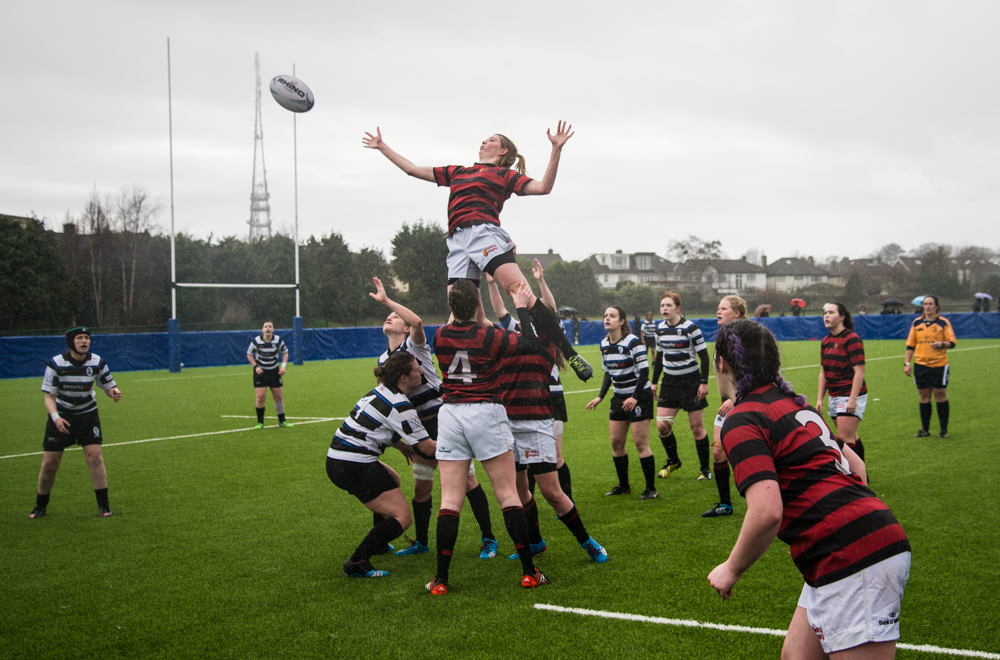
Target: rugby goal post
<point x="174" y="324"/>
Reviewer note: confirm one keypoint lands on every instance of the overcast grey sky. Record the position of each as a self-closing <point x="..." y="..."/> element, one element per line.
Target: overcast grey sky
<point x="787" y="127"/>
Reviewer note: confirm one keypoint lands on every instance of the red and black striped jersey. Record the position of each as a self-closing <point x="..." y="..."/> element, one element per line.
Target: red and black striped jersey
<point x="839" y="354"/>
<point x="524" y="383"/>
<point x="478" y="192"/>
<point x="833" y="523"/>
<point x="469" y="358"/>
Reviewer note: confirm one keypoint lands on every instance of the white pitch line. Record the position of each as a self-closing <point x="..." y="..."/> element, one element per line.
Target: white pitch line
<point x="274" y="417"/>
<point x="689" y="623"/>
<point x="176" y="437"/>
<point x="816" y="366"/>
<point x="156" y="380"/>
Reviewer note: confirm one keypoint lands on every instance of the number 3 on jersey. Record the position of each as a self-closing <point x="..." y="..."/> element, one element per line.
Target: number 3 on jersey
<point x="803" y="417"/>
<point x="461" y="368"/>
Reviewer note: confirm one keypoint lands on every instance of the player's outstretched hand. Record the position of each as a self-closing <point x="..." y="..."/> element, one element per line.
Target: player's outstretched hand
<point x="379" y="295"/>
<point x="722" y="580"/>
<point x="538" y="271"/>
<point x="593" y="403"/>
<point x="564" y="131"/>
<point x="373" y="141"/>
<point x="115" y="394"/>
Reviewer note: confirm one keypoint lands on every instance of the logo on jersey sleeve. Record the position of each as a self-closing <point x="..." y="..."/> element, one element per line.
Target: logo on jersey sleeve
<point x="413" y="427"/>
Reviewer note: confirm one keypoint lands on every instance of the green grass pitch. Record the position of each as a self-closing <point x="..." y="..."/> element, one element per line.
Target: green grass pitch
<point x="230" y="545"/>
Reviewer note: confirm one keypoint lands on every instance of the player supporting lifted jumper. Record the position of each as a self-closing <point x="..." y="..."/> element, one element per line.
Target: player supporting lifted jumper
<point x="68" y="385"/>
<point x="476" y="243"/>
<point x="263" y="354"/>
<point x="405" y="332"/>
<point x="472" y="423"/>
<point x="380" y="417"/>
<point x="524" y="381"/>
<point x="805" y="486"/>
<point x="627" y="369"/>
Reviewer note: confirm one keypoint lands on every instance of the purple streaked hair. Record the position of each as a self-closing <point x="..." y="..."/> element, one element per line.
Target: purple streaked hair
<point x="752" y="353"/>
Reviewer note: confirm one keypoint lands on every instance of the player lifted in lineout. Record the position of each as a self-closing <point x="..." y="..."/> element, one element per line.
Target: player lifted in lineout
<point x="476" y="243"/>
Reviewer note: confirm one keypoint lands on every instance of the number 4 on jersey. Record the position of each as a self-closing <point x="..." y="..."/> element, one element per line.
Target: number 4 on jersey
<point x="461" y="368"/>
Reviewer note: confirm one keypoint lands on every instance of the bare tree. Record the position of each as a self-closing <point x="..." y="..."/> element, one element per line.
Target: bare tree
<point x="134" y="217"/>
<point x="694" y="248"/>
<point x="96" y="222"/>
<point x="888" y="253"/>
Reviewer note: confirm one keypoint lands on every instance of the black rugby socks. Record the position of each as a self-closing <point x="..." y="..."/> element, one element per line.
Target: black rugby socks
<point x="481" y="510"/>
<point x="621" y="467"/>
<point x="944" y="409"/>
<point x="925" y="416"/>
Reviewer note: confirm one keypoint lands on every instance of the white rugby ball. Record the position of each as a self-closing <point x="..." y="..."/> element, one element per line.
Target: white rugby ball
<point x="292" y="94"/>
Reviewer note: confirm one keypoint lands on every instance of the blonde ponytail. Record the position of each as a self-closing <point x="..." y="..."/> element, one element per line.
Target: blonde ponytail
<point x="511" y="156"/>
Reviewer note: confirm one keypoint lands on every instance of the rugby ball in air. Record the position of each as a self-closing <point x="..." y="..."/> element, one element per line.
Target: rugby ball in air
<point x="292" y="94"/>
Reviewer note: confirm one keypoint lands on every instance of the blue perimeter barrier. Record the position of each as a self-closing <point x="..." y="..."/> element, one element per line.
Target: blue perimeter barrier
<point x="27" y="356"/>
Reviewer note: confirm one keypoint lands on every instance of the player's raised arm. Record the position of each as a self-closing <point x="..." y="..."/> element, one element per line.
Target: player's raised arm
<point x="564" y="132"/>
<point x="546" y="295"/>
<point x="499" y="308"/>
<point x="409" y="318"/>
<point x="421" y="172"/>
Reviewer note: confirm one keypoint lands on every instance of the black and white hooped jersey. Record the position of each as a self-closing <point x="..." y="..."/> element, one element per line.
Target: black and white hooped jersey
<point x="267" y="353"/>
<point x="426" y="397"/>
<point x="680" y="345"/>
<point x="648" y="328"/>
<point x="382" y="417"/>
<point x="73" y="382"/>
<point x="624" y="360"/>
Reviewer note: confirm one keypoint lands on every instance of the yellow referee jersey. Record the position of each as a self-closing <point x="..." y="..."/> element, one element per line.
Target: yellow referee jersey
<point x="923" y="333"/>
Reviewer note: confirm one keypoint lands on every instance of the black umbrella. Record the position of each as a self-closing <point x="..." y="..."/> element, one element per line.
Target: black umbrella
<point x="892" y="301"/>
<point x="567" y="310"/>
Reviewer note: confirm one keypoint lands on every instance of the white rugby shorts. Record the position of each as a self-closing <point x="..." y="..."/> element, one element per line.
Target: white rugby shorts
<point x="558" y="427"/>
<point x="861" y="608"/>
<point x="472" y="430"/>
<point x="471" y="248"/>
<point x="837" y="407"/>
<point x="534" y="441"/>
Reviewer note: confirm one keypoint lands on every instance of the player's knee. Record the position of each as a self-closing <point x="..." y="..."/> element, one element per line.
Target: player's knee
<point x="698" y="430"/>
<point x="422" y="489"/>
<point x="718" y="455"/>
<point x="664" y="427"/>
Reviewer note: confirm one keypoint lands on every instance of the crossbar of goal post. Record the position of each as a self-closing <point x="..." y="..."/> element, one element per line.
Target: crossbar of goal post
<point x="174" y="325"/>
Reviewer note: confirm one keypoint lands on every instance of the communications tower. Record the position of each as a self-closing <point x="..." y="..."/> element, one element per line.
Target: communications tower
<point x="260" y="208"/>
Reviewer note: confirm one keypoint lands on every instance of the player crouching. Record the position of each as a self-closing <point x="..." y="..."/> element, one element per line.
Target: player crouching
<point x="382" y="415"/>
